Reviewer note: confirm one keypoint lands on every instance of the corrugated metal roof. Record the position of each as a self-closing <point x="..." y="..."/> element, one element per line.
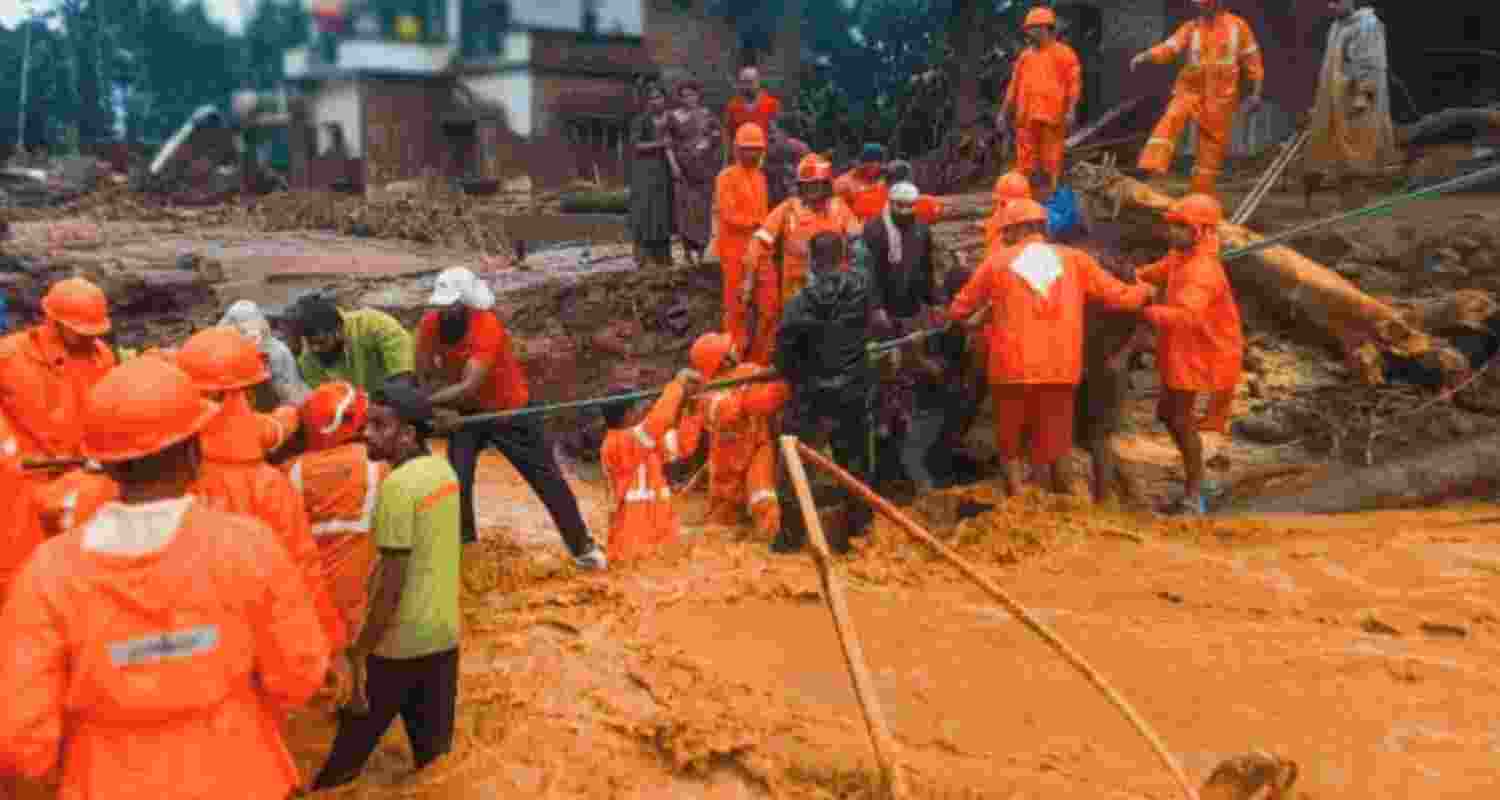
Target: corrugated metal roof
<point x="615" y="16"/>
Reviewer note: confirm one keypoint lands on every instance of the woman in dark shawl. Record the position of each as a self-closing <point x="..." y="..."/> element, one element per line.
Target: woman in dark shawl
<point x="696" y="149"/>
<point x="651" y="171"/>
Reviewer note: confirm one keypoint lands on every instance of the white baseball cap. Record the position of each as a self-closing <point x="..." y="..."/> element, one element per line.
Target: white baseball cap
<point x="461" y="285"/>
<point x="904" y="193"/>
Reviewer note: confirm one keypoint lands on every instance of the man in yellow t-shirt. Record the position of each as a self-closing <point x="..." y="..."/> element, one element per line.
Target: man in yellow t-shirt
<point x="405" y="661"/>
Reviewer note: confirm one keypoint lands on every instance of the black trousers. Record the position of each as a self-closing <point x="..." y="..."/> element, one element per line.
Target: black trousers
<point x="423" y="691"/>
<point x="849" y="410"/>
<point x="524" y="442"/>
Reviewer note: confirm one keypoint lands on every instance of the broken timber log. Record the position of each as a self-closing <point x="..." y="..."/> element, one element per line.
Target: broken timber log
<point x="1455" y="471"/>
<point x="1363" y="325"/>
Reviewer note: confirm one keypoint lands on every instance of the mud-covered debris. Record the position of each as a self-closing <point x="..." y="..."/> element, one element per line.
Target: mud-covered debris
<point x="1444" y="629"/>
<point x="1372" y="625"/>
<point x="1254" y="776"/>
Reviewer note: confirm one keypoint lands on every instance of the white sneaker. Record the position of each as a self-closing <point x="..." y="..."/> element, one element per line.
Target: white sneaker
<point x="592" y="560"/>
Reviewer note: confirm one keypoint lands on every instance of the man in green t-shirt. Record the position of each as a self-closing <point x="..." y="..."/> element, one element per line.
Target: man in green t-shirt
<point x="365" y="347"/>
<point x="405" y="661"/>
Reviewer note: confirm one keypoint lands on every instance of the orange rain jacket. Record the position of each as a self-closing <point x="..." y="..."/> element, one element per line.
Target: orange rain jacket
<point x="743" y="206"/>
<point x="795" y="225"/>
<point x="160" y="675"/>
<point x="235" y="477"/>
<point x="1035" y="339"/>
<point x="643" y="518"/>
<point x="929" y="209"/>
<point x="742" y="457"/>
<point x="338" y="487"/>
<point x="22" y="531"/>
<point x="865" y="197"/>
<point x="1199" y="341"/>
<point x="1207" y="91"/>
<point x="1045" y="83"/>
<point x="43" y="391"/>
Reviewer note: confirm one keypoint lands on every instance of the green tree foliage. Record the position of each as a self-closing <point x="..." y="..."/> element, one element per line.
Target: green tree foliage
<point x="144" y="65"/>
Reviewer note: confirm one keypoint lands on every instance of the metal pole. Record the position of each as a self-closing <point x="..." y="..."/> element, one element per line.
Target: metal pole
<point x="25" y="73"/>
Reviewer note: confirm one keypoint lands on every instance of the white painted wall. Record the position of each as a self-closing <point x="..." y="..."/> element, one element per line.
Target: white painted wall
<point x="615" y="16"/>
<point x="512" y="91"/>
<point x="339" y="101"/>
<point x="384" y="56"/>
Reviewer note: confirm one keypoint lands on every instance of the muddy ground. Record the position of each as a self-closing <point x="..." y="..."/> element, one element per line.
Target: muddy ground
<point x="1358" y="646"/>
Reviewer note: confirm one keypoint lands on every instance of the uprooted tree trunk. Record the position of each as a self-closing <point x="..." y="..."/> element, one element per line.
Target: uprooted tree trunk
<point x="1457" y="471"/>
<point x="1364" y="326"/>
<point x="1478" y="119"/>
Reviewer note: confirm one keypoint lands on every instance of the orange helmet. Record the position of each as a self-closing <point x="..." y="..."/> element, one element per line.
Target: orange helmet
<point x="750" y="136"/>
<point x="1020" y="212"/>
<point x="1196" y="209"/>
<point x="1012" y="186"/>
<point x="1206" y="3"/>
<point x="220" y="359"/>
<point x="709" y="352"/>
<point x="79" y="305"/>
<point x="333" y="414"/>
<point x="1041" y="15"/>
<point x="813" y="168"/>
<point x="142" y="407"/>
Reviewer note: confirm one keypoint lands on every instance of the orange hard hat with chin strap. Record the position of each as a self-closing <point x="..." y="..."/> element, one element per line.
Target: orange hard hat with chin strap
<point x="222" y="359"/>
<point x="333" y="414"/>
<point x="1196" y="209"/>
<point x="142" y="407"/>
<point x="1041" y="16"/>
<point x="1020" y="212"/>
<point x="814" y="168"/>
<point x="750" y="136"/>
<point x="78" y="305"/>
<point x="709" y="352"/>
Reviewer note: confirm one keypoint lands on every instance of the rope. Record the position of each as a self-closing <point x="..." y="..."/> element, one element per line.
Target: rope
<point x="1450" y="185"/>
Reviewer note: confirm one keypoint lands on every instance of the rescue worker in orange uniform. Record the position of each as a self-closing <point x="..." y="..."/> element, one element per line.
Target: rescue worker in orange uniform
<point x="235" y="476"/>
<point x="740" y="192"/>
<point x="1041" y="100"/>
<point x="1037" y="292"/>
<point x="339" y="482"/>
<point x="150" y="652"/>
<point x="1199" y="341"/>
<point x="636" y="450"/>
<point x="46" y="373"/>
<point x="1010" y="186"/>
<point x="1215" y="47"/>
<point x="742" y="455"/>
<point x="231" y="384"/>
<point x="794" y="223"/>
<point x="863" y="188"/>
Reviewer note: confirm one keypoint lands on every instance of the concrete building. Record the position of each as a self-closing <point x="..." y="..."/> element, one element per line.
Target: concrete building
<point x="486" y="89"/>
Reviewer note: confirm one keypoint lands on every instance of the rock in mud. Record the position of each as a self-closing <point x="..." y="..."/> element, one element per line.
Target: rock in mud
<point x="1254" y="776"/>
<point x="1373" y="625"/>
<point x="1268" y="428"/>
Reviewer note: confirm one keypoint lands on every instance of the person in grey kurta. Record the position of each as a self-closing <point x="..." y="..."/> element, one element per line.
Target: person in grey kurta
<point x="696" y="147"/>
<point x="651" y="181"/>
<point x="286" y="382"/>
<point x="1351" y="131"/>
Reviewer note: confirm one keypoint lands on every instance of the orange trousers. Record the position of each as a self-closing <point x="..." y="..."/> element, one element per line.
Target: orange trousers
<point x="1220" y="408"/>
<point x="1040" y="144"/>
<point x="1215" y="123"/>
<point x="768" y="316"/>
<point x="732" y="269"/>
<point x="740" y="478"/>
